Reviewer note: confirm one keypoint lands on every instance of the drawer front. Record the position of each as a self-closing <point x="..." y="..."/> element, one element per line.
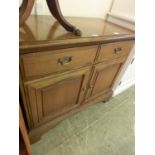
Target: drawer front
<point x="114" y="50"/>
<point x="37" y="64"/>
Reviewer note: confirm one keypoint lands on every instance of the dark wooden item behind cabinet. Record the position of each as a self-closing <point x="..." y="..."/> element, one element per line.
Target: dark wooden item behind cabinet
<point x="54" y="7"/>
<point x="24" y="142"/>
<point x="25" y="10"/>
<point x="61" y="74"/>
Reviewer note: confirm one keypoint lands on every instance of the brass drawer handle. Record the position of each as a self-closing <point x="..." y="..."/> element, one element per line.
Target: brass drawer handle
<point x="84" y="89"/>
<point x="91" y="87"/>
<point x="65" y="60"/>
<point x="118" y="50"/>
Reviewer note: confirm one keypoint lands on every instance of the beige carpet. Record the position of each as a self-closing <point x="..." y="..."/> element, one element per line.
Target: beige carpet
<point x="101" y="129"/>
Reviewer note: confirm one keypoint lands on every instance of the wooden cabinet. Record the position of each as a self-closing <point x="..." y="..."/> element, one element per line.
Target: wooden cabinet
<point x="60" y="74"/>
<point x="53" y="96"/>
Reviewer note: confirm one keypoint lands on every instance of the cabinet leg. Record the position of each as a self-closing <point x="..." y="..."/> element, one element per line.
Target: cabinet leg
<point x="35" y="138"/>
<point x="108" y="96"/>
<point x="106" y="100"/>
<point x="54" y="8"/>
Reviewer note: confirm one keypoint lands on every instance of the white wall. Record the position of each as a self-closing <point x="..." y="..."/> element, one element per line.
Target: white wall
<point x="77" y="8"/>
<point x="122" y="12"/>
<point x="125" y="8"/>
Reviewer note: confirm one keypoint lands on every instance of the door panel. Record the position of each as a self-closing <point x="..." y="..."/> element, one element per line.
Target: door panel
<point x="53" y="96"/>
<point x="103" y="78"/>
<point x="67" y="98"/>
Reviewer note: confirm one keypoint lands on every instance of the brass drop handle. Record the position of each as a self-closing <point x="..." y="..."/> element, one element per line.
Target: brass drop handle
<point x="117" y="50"/>
<point x="91" y="86"/>
<point x="84" y="89"/>
<point x="65" y="60"/>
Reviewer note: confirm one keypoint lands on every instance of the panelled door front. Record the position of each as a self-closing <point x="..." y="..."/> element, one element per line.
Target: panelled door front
<point x="53" y="96"/>
<point x="103" y="78"/>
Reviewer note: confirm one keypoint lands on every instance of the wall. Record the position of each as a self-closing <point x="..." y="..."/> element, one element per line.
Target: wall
<point x="77" y="8"/>
<point x="122" y="12"/>
<point x="125" y="8"/>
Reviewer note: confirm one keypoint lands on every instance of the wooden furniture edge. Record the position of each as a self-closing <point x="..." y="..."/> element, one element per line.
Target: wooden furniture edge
<point x="33" y="46"/>
<point x="24" y="132"/>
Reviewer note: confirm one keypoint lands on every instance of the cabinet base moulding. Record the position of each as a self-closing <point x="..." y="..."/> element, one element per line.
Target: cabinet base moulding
<point x="36" y="133"/>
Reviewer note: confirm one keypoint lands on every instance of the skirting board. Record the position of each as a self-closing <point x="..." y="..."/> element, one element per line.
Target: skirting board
<point x="123" y="87"/>
<point x="122" y="20"/>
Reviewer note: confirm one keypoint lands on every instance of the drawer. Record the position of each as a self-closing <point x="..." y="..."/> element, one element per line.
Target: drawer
<point x="114" y="50"/>
<point x="37" y="64"/>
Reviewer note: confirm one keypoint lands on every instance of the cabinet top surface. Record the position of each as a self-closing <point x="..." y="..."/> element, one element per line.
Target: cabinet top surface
<point x="42" y="29"/>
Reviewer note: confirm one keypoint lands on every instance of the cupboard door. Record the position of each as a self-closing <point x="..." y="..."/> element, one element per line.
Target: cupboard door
<point x="53" y="96"/>
<point x="103" y="79"/>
